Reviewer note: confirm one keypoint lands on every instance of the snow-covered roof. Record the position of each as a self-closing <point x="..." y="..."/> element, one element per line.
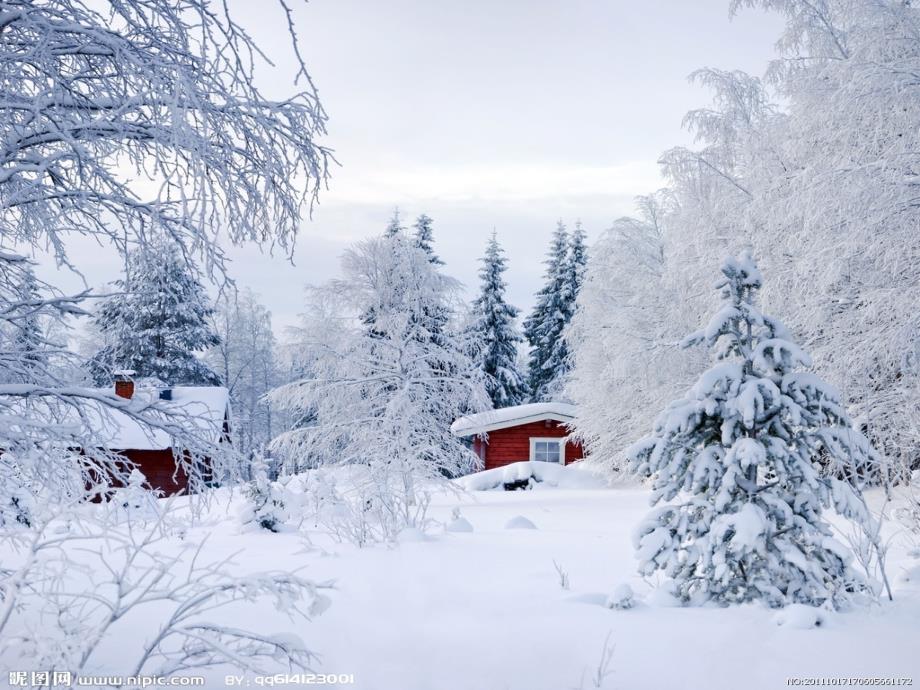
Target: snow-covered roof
<point x="505" y="417"/>
<point x="205" y="406"/>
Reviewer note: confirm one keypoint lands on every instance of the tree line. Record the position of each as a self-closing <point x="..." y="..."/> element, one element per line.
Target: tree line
<point x="161" y="324"/>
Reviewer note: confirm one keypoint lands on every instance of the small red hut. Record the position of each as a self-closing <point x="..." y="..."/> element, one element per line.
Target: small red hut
<point x="537" y="431"/>
<point x="205" y="409"/>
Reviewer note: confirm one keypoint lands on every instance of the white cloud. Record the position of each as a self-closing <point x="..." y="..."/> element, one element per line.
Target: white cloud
<point x="499" y="183"/>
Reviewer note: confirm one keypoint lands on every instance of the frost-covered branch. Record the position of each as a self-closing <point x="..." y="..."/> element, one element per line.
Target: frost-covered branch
<point x="137" y="115"/>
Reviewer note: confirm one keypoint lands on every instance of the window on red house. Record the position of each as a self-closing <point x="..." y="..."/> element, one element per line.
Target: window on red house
<point x="546" y="449"/>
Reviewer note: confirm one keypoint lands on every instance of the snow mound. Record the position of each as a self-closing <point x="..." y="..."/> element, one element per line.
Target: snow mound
<point x="663" y="597"/>
<point x="535" y="474"/>
<point x="622" y="598"/>
<point x="410" y="534"/>
<point x="519" y="522"/>
<point x="592" y="598"/>
<point x="460" y="524"/>
<point x="800" y="616"/>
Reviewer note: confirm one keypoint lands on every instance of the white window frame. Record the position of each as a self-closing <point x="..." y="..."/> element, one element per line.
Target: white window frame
<point x="534" y="440"/>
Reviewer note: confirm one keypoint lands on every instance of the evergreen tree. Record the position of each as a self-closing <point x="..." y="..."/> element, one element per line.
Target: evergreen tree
<point x="577" y="262"/>
<point x="743" y="453"/>
<point x="157" y="323"/>
<point x="424" y="237"/>
<point x="494" y="335"/>
<point x="394" y="227"/>
<point x="28" y="340"/>
<point x="545" y="326"/>
<point x="266" y="503"/>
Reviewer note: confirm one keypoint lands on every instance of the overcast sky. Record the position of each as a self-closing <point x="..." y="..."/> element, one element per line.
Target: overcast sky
<point x="486" y="113"/>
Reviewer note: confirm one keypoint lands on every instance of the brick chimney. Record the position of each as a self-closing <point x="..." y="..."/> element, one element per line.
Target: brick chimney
<point x="124" y="384"/>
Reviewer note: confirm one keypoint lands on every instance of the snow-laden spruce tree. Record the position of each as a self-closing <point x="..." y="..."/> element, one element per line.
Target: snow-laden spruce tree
<point x="545" y="326"/>
<point x="395" y="226"/>
<point x="266" y="503"/>
<point x="383" y="389"/>
<point x="746" y="462"/>
<point x="576" y="264"/>
<point x="493" y="332"/>
<point x="424" y="237"/>
<point x="157" y="322"/>
<point x="28" y="339"/>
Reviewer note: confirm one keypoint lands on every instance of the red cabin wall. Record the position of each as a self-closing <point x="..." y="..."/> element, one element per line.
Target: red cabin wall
<point x="505" y="446"/>
<point x="159" y="466"/>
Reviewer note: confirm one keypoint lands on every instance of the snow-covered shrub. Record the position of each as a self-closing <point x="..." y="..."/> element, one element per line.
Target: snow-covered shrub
<point x="266" y="501"/>
<point x="149" y="581"/>
<point x="738" y="465"/>
<point x="458" y="523"/>
<point x="17" y="506"/>
<point x="800" y="616"/>
<point x="621" y="598"/>
<point x="135" y="502"/>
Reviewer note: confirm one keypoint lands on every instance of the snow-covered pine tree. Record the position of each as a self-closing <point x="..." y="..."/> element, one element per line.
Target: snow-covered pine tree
<point x="265" y="500"/>
<point x="545" y="326"/>
<point x="157" y="323"/>
<point x="577" y="262"/>
<point x="493" y="332"/>
<point x="135" y="502"/>
<point x="424" y="237"/>
<point x="746" y="463"/>
<point x="394" y="227"/>
<point x="29" y="340"/>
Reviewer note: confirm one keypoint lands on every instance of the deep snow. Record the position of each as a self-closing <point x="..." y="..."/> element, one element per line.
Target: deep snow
<point x="485" y="610"/>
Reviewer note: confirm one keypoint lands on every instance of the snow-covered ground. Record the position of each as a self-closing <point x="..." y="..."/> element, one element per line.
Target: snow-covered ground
<point x="485" y="609"/>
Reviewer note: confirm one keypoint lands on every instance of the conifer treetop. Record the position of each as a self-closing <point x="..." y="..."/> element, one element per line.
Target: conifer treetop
<point x="424" y="238"/>
<point x="493" y="333"/>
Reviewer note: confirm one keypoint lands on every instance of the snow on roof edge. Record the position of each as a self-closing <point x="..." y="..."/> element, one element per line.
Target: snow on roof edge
<point x="516" y="415"/>
<point x="205" y="406"/>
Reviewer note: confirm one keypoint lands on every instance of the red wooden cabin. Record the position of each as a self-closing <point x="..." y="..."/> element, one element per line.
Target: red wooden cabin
<point x="207" y="409"/>
<point x="537" y="431"/>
